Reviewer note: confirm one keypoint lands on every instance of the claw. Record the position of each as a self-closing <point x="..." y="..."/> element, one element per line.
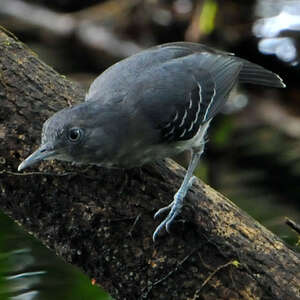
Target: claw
<point x="176" y="205"/>
<point x="157" y="231"/>
<point x="173" y="214"/>
<point x="163" y="209"/>
<point x="175" y="209"/>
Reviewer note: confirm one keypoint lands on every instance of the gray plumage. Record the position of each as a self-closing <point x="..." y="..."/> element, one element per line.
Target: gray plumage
<point x="151" y="105"/>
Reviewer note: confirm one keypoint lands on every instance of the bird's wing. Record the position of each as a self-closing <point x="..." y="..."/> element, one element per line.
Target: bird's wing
<point x="250" y="72"/>
<point x="183" y="93"/>
<point x="115" y="82"/>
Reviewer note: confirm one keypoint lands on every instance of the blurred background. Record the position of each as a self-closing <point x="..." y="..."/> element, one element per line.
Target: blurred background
<point x="253" y="154"/>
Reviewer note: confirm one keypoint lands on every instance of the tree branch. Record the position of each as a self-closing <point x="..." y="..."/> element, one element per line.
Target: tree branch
<point x="102" y="220"/>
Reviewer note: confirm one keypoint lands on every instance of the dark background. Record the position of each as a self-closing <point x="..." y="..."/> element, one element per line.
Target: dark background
<point x="253" y="154"/>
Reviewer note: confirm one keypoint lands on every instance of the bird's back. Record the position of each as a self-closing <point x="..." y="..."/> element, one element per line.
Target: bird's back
<point x="122" y="76"/>
<point x="117" y="80"/>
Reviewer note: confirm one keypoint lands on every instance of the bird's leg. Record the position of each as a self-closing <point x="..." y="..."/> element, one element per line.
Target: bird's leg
<point x="176" y="205"/>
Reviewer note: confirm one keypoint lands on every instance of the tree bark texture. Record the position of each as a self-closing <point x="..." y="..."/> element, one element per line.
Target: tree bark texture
<point x="102" y="220"/>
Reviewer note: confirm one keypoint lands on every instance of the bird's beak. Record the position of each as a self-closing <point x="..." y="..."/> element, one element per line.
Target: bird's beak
<point x="44" y="152"/>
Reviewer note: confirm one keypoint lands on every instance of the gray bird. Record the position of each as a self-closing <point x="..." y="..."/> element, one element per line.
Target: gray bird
<point x="152" y="105"/>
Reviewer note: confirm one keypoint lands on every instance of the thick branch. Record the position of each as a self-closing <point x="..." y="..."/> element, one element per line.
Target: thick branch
<point x="102" y="220"/>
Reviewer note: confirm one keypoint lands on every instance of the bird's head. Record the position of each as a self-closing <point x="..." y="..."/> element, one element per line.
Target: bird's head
<point x="77" y="134"/>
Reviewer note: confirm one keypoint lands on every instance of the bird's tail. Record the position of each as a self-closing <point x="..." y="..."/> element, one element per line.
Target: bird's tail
<point x="255" y="74"/>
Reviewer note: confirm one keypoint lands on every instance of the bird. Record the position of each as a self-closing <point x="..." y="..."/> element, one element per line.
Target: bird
<point x="154" y="104"/>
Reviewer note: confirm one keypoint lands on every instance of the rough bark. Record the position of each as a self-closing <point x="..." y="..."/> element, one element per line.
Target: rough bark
<point x="102" y="220"/>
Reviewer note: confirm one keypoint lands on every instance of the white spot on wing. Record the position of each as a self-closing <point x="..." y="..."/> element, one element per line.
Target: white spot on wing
<point x="183" y="133"/>
<point x="198" y="109"/>
<point x="210" y="103"/>
<point x="170" y="132"/>
<point x="183" y="118"/>
<point x="176" y="116"/>
<point x="200" y="92"/>
<point x="168" y="125"/>
<point x="191" y="102"/>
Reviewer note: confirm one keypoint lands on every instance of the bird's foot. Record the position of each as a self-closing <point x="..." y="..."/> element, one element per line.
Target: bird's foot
<point x="174" y="207"/>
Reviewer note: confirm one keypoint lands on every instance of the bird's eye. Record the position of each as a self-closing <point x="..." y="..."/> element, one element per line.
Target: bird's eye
<point x="74" y="135"/>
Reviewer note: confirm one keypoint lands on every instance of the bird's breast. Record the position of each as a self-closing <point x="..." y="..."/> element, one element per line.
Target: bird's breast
<point x="138" y="153"/>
